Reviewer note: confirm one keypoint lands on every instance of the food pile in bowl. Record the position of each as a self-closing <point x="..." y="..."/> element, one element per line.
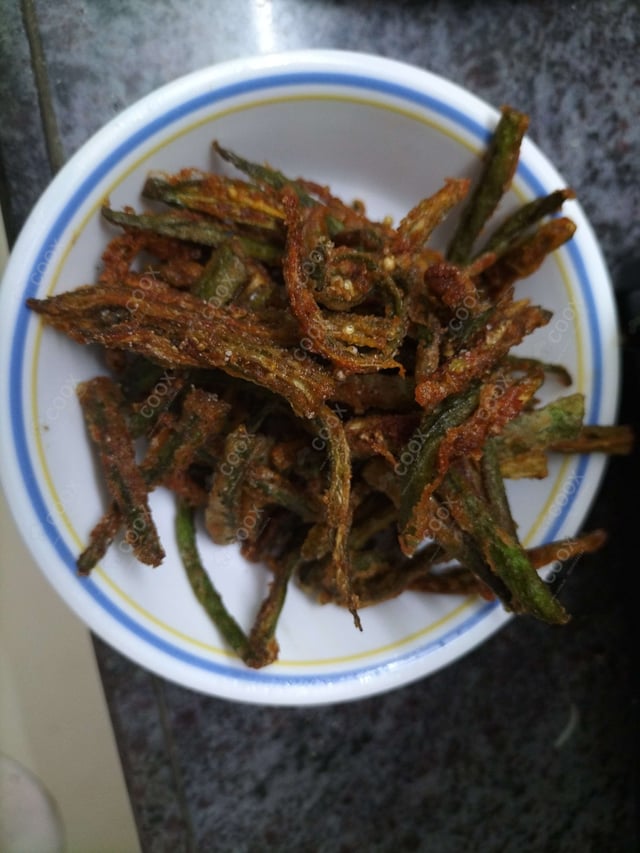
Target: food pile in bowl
<point x="320" y="381"/>
<point x="338" y="396"/>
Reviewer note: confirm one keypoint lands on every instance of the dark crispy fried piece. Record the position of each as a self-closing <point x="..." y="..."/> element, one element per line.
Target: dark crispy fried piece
<point x="380" y="434"/>
<point x="224" y="513"/>
<point x="101" y="402"/>
<point x="417" y="226"/>
<point x="175" y="329"/>
<point x="218" y="196"/>
<point x="363" y="392"/>
<point x="171" y="452"/>
<point x="522" y="259"/>
<point x="420" y="471"/>
<point x="509" y="325"/>
<point x="270" y="488"/>
<point x="616" y="440"/>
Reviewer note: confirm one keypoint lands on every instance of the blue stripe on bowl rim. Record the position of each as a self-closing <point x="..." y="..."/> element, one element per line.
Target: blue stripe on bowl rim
<point x="18" y="415"/>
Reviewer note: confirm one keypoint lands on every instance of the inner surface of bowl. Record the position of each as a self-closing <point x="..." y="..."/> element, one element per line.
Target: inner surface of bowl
<point x="373" y="130"/>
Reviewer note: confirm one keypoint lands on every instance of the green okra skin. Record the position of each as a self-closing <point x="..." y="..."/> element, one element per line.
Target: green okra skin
<point x="503" y="553"/>
<point x="516" y="225"/>
<point x="275" y="490"/>
<point x="202" y="586"/>
<point x="494" y="487"/>
<point x="500" y="165"/>
<point x="225" y="507"/>
<point x="192" y="229"/>
<point x="421" y="454"/>
<point x="224" y="275"/>
<point x="539" y="429"/>
<point x="264" y="175"/>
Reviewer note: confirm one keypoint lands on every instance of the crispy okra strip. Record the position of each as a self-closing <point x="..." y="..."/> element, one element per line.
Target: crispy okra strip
<point x="502" y="551"/>
<point x="176" y="329"/>
<point x="417" y="226"/>
<point x="512" y="323"/>
<point x="460" y="581"/>
<point x="613" y="439"/>
<point x="171" y="451"/>
<point x="494" y="488"/>
<point x="524" y="257"/>
<point x="499" y="400"/>
<point x="525" y="217"/>
<point x="389" y="577"/>
<point x="218" y="196"/>
<point x="418" y="465"/>
<point x="264" y="175"/>
<point x="346" y="222"/>
<point x="525" y="363"/>
<point x="223" y="515"/>
<point x="262" y="646"/>
<point x="501" y="161"/>
<point x="194" y="228"/>
<point x="223" y="276"/>
<point x="101" y="401"/>
<point x="202" y="416"/>
<point x="100" y="538"/>
<point x="273" y="489"/>
<point x="539" y="429"/>
<point x="566" y="549"/>
<point x="201" y="584"/>
<point x="144" y="416"/>
<point x="330" y="535"/>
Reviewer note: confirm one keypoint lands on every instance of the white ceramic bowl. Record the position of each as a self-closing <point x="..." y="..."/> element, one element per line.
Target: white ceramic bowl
<point x="373" y="129"/>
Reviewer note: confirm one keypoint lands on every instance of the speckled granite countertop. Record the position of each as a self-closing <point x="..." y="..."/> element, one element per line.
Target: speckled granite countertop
<point x="529" y="742"/>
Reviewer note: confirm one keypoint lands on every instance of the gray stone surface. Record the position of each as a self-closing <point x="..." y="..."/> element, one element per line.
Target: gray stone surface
<point x="529" y="742"/>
